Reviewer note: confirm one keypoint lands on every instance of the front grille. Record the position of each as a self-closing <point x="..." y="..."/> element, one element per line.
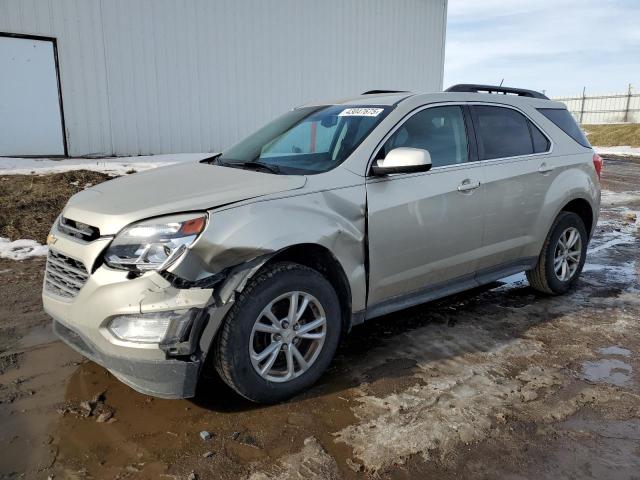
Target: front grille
<point x="77" y="229"/>
<point x="64" y="275"/>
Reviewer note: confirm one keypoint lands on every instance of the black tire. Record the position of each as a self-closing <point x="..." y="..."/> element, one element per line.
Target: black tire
<point x="231" y="347"/>
<point x="543" y="277"/>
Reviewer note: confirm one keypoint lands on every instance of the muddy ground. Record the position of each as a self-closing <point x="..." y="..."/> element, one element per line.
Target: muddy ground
<point x="501" y="382"/>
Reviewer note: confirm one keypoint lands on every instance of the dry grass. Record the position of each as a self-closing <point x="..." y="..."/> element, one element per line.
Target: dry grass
<point x="614" y="135"/>
<point x="31" y="203"/>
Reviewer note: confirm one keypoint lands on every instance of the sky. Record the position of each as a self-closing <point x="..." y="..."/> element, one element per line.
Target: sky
<point x="559" y="46"/>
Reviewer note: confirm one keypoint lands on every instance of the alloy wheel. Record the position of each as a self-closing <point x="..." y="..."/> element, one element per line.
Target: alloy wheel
<point x="567" y="254"/>
<point x="287" y="337"/>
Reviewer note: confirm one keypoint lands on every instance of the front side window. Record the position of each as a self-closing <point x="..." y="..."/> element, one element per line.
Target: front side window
<point x="501" y="132"/>
<point x="439" y="130"/>
<point x="306" y="140"/>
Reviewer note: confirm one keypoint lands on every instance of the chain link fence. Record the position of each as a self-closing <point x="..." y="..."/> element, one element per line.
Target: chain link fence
<point x="614" y="108"/>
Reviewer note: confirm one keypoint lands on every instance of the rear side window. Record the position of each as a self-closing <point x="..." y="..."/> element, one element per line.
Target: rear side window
<point x="541" y="143"/>
<point x="501" y="132"/>
<point x="564" y="121"/>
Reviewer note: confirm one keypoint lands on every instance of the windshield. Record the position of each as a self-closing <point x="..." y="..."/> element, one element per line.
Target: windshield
<point x="305" y="140"/>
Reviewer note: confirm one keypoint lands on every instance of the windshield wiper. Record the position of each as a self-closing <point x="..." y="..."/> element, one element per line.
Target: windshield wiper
<point x="252" y="164"/>
<point x="211" y="160"/>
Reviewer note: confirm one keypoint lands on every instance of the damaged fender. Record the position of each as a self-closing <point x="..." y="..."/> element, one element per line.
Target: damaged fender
<point x="240" y="239"/>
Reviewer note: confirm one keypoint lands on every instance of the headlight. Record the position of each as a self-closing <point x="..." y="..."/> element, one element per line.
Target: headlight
<point x="154" y="244"/>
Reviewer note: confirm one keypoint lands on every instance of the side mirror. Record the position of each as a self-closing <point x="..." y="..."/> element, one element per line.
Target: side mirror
<point x="403" y="160"/>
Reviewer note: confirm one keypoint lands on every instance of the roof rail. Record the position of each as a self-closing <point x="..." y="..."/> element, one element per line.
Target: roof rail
<point x="472" y="88"/>
<point x="372" y="92"/>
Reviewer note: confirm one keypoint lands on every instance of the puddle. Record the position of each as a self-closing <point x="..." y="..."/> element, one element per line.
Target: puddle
<point x="37" y="337"/>
<point x="612" y="371"/>
<point x="27" y="408"/>
<point x="608" y="449"/>
<point x="615" y="350"/>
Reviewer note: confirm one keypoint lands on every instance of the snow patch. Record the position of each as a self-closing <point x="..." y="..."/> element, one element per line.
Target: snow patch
<point x="21" y="249"/>
<point x="610" y="198"/>
<point x="311" y="463"/>
<point x="626" y="273"/>
<point x="622" y="151"/>
<point x="621" y="227"/>
<point x="112" y="166"/>
<point x="621" y="240"/>
<point x="517" y="280"/>
<point x="465" y="385"/>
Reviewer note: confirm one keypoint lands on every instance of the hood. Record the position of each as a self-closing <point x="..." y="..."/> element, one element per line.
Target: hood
<point x="184" y="187"/>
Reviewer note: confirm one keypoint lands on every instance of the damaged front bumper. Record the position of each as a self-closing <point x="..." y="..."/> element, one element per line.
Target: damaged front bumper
<point x="164" y="378"/>
<point x="168" y="368"/>
<point x="84" y="310"/>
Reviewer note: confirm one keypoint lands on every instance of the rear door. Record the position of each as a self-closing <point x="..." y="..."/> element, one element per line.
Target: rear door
<point x="514" y="154"/>
<point x="425" y="229"/>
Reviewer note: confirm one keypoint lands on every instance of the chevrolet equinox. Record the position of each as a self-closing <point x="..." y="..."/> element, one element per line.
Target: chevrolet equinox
<point x="263" y="256"/>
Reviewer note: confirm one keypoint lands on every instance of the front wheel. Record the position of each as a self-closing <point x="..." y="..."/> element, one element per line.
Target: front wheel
<point x="562" y="257"/>
<point x="280" y="335"/>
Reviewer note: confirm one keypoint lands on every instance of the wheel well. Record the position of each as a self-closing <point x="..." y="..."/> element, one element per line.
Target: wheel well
<point x="581" y="208"/>
<point x="323" y="261"/>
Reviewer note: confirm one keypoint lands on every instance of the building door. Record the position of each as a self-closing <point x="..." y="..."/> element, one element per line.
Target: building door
<point x="30" y="109"/>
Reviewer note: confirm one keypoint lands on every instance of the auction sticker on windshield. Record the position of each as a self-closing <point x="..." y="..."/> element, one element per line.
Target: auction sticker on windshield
<point x="361" y="112"/>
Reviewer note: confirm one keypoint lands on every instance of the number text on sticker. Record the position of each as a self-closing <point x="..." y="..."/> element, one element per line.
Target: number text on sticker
<point x="360" y="112"/>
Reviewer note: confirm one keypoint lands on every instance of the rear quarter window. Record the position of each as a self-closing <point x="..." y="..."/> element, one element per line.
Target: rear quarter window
<point x="541" y="143"/>
<point x="565" y="122"/>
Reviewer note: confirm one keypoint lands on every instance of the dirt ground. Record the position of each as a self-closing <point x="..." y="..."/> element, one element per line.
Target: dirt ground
<point x="31" y="203"/>
<point x="500" y="382"/>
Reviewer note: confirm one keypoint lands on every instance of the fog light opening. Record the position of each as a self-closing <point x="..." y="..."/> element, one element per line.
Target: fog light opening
<point x="157" y="327"/>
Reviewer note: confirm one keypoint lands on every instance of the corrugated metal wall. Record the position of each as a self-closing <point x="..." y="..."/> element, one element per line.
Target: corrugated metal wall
<point x="162" y="76"/>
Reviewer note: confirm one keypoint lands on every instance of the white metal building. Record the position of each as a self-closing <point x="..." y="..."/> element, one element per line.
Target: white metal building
<point x="130" y="77"/>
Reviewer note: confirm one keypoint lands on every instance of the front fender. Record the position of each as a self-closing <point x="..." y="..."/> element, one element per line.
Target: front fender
<point x="334" y="219"/>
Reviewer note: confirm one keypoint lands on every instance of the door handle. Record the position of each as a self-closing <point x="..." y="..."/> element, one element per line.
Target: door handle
<point x="544" y="168"/>
<point x="468" y="185"/>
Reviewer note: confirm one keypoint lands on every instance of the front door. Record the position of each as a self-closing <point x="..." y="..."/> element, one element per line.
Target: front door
<point x="425" y="229"/>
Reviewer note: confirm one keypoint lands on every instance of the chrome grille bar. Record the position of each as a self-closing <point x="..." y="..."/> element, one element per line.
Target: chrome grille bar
<point x="64" y="275"/>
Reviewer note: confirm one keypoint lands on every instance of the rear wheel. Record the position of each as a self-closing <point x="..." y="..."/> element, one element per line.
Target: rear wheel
<point x="280" y="335"/>
<point x="562" y="257"/>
